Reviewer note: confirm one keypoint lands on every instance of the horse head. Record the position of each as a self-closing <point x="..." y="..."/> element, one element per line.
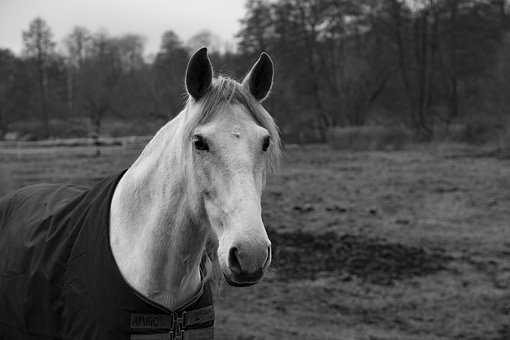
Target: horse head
<point x="233" y="144"/>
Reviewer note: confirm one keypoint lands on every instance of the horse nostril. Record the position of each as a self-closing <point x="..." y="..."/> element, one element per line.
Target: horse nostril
<point x="268" y="258"/>
<point x="233" y="259"/>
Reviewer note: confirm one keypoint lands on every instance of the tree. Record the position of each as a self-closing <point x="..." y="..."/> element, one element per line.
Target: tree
<point x="205" y="38"/>
<point x="323" y="54"/>
<point x="170" y="42"/>
<point x="39" y="46"/>
<point x="256" y="27"/>
<point x="168" y="71"/>
<point x="77" y="43"/>
<point x="131" y="97"/>
<point x="98" y="77"/>
<point x="15" y="89"/>
<point x="7" y="74"/>
<point x="440" y="45"/>
<point x="130" y="49"/>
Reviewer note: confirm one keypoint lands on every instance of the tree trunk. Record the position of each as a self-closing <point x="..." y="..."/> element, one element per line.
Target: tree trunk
<point x="43" y="84"/>
<point x="402" y="60"/>
<point x="453" y="97"/>
<point x="323" y="118"/>
<point x="70" y="94"/>
<point x="3" y="124"/>
<point x="96" y="122"/>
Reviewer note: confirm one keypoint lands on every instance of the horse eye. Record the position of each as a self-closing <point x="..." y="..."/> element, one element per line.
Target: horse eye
<point x="200" y="143"/>
<point x="265" y="143"/>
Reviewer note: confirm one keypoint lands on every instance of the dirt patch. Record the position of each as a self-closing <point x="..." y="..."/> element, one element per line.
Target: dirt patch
<point x="301" y="255"/>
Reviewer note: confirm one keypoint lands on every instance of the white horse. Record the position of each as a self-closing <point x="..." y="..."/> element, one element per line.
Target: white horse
<point x="199" y="179"/>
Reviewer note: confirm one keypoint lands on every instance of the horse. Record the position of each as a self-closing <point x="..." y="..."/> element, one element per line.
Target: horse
<point x="130" y="258"/>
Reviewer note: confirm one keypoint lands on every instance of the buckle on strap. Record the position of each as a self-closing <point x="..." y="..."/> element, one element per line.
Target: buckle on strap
<point x="192" y="318"/>
<point x="190" y="334"/>
<point x="197" y="334"/>
<point x="177" y="332"/>
<point x="173" y="321"/>
<point x="176" y="325"/>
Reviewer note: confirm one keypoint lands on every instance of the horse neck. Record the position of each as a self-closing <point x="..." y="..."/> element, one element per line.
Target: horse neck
<point x="157" y="241"/>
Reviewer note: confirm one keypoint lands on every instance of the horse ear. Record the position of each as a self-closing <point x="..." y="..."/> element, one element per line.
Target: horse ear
<point x="260" y="78"/>
<point x="199" y="74"/>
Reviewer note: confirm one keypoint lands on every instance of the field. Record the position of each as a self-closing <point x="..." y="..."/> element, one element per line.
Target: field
<point x="410" y="244"/>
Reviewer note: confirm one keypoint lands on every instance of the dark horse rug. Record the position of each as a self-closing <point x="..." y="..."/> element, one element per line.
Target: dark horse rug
<point x="59" y="280"/>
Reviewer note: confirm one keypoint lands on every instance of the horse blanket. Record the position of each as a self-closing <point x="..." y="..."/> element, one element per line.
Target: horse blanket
<point x="59" y="279"/>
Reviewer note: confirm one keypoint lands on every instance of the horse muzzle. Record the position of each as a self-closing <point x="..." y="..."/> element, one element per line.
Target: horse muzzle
<point x="245" y="270"/>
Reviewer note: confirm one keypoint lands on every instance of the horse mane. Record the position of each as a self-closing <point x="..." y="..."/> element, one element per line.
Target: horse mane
<point x="226" y="91"/>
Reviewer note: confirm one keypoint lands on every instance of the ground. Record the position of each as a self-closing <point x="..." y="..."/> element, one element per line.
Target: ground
<point x="408" y="244"/>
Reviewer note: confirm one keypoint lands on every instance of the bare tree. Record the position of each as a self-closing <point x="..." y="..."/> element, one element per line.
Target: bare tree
<point x="130" y="49"/>
<point x="99" y="76"/>
<point x="15" y="88"/>
<point x="205" y="38"/>
<point x="166" y="82"/>
<point x="77" y="43"/>
<point x="39" y="46"/>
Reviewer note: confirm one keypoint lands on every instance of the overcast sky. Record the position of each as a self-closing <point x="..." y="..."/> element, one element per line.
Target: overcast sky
<point x="147" y="17"/>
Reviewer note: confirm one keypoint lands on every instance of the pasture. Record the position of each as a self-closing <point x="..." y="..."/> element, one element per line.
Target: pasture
<point x="411" y="244"/>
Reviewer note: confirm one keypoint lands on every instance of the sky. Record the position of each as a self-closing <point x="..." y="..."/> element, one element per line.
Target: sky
<point x="150" y="18"/>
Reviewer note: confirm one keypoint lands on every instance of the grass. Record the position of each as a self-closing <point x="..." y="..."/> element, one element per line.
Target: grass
<point x="410" y="244"/>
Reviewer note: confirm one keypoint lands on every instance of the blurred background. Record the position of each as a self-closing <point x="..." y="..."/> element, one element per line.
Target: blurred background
<point x="390" y="218"/>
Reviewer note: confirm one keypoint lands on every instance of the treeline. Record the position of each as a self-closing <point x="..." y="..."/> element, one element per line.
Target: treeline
<point x="422" y="64"/>
<point x="425" y="64"/>
<point x="90" y="77"/>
